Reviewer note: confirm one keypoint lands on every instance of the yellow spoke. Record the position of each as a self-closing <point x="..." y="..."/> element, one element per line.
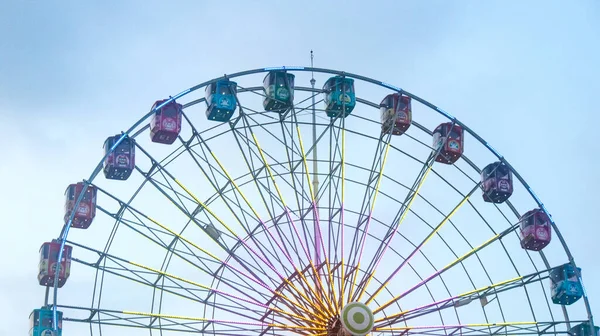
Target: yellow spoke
<point x="294" y="315"/>
<point x="202" y="319"/>
<point x="252" y="208"/>
<point x="199" y="202"/>
<point x="369" y="219"/>
<point x="469" y="325"/>
<point x="222" y="262"/>
<point x="403" y="216"/>
<point x="316" y="214"/>
<point x="195" y="284"/>
<point x="479" y="290"/>
<point x="268" y="167"/>
<point x="431" y="234"/>
<point x="229" y="177"/>
<point x="455" y="262"/>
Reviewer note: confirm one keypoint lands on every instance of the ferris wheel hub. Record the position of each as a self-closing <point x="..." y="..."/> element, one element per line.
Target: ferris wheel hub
<point x="357" y="319"/>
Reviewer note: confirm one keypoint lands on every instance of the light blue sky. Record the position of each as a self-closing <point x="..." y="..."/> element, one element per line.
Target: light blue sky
<point x="524" y="75"/>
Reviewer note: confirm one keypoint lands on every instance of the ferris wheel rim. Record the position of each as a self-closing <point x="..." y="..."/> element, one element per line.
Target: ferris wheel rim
<point x="130" y="132"/>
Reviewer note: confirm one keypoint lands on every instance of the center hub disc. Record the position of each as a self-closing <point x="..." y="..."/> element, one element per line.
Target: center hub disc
<point x="357" y="319"/>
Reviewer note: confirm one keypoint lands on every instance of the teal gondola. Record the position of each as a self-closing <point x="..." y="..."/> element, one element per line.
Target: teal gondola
<point x="340" y="98"/>
<point x="565" y="285"/>
<point x="41" y="323"/>
<point x="278" y="88"/>
<point x="221" y="100"/>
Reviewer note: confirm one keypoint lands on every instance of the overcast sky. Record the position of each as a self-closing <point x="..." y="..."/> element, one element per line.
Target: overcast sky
<point x="523" y="75"/>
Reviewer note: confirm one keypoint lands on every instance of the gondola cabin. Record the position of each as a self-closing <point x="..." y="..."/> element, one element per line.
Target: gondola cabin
<point x="451" y="140"/>
<point x="86" y="210"/>
<point x="279" y="91"/>
<point x="165" y="124"/>
<point x="41" y="322"/>
<point x="221" y="100"/>
<point x="396" y="114"/>
<point x="536" y="231"/>
<point x="565" y="285"/>
<point x="49" y="264"/>
<point x="119" y="163"/>
<point x="212" y="232"/>
<point x="340" y="98"/>
<point x="583" y="329"/>
<point x="496" y="182"/>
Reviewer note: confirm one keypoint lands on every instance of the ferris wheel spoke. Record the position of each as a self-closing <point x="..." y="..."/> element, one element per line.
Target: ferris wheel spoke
<point x="291" y="130"/>
<point x="330" y="186"/>
<point x="234" y="270"/>
<point x="512" y="228"/>
<point x="458" y="260"/>
<point x="367" y="208"/>
<point x="237" y="306"/>
<point x="286" y="210"/>
<point x="223" y="191"/>
<point x="326" y="305"/>
<point x="140" y="219"/>
<point x="292" y="150"/>
<point x="399" y="218"/>
<point x="252" y="268"/>
<point x="250" y="122"/>
<point x="429" y="236"/>
<point x="259" y="153"/>
<point x="405" y="207"/>
<point x="228" y="201"/>
<point x="278" y="314"/>
<point x="412" y="267"/>
<point x="462" y="299"/>
<point x="142" y="277"/>
<point x="212" y="216"/>
<point x="512" y="328"/>
<point x="297" y="183"/>
<point x="474" y="249"/>
<point x="150" y="277"/>
<point x="202" y="264"/>
<point x="250" y="155"/>
<point x="318" y="242"/>
<point x="332" y="189"/>
<point x="266" y="188"/>
<point x="168" y="321"/>
<point x="261" y="182"/>
<point x="163" y="322"/>
<point x="295" y="153"/>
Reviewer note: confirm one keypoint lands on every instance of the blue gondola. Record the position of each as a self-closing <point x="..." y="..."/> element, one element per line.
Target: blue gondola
<point x="583" y="329"/>
<point x="221" y="100"/>
<point x="279" y="91"/>
<point x="40" y="322"/>
<point x="119" y="164"/>
<point x="564" y="284"/>
<point x="340" y="98"/>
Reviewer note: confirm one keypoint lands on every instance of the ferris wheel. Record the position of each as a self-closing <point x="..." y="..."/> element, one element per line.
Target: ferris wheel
<point x="270" y="208"/>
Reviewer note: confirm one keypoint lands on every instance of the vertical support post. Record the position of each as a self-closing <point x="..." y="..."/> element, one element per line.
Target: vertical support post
<point x="315" y="179"/>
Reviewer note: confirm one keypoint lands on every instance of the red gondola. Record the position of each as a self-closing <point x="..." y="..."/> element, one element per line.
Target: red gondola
<point x="398" y="107"/>
<point x="496" y="182"/>
<point x="48" y="264"/>
<point x="536" y="231"/>
<point x="451" y="139"/>
<point x="86" y="211"/>
<point x="120" y="163"/>
<point x="165" y="124"/>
